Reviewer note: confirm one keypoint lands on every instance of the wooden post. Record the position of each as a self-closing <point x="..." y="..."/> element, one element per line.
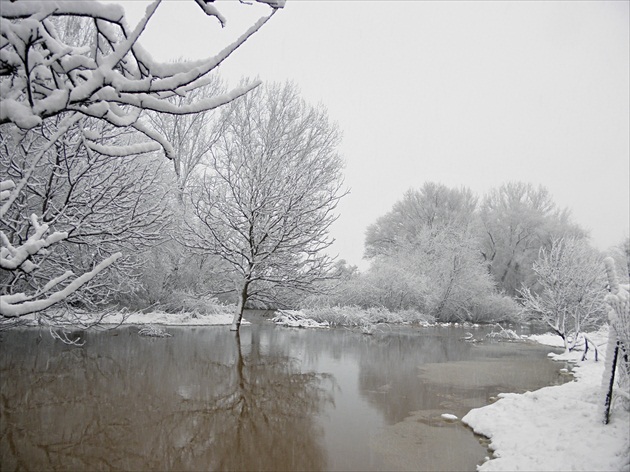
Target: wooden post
<point x="609" y="393"/>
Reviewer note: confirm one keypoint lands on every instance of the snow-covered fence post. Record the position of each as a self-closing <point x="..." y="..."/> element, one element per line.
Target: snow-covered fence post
<point x="618" y="301"/>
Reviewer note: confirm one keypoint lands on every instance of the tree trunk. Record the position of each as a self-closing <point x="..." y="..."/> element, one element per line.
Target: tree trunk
<point x="238" y="316"/>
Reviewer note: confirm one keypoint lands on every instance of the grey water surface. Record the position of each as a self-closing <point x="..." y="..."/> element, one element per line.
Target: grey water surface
<point x="271" y="398"/>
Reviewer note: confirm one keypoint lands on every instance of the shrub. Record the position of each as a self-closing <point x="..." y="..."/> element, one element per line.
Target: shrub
<point x="354" y="316"/>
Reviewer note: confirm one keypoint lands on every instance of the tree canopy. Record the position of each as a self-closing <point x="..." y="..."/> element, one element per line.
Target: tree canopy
<point x="268" y="195"/>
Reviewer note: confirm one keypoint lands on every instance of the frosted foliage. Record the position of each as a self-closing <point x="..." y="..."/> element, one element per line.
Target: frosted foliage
<point x="570" y="299"/>
<point x="425" y="256"/>
<point x="618" y="303"/>
<point x="518" y="221"/>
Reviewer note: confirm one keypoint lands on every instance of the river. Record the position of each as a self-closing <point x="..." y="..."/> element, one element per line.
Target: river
<point x="269" y="398"/>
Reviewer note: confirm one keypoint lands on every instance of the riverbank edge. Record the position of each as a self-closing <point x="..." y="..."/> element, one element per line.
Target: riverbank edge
<point x="223" y="316"/>
<point x="559" y="427"/>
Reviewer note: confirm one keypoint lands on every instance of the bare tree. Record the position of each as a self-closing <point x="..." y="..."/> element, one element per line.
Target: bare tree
<point x="573" y="288"/>
<point x="267" y="199"/>
<point x="191" y="136"/>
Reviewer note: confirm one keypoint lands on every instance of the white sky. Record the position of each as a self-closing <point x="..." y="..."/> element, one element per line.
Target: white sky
<point x="471" y="94"/>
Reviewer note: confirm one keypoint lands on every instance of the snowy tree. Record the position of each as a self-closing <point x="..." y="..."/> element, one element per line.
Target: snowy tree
<point x="517" y="220"/>
<point x="459" y="281"/>
<point x="446" y="275"/>
<point x="573" y="286"/>
<point x="425" y="256"/>
<point x="76" y="68"/>
<point x="391" y="282"/>
<point x="268" y="196"/>
<point x="171" y="273"/>
<point x="432" y="207"/>
<point x="621" y="256"/>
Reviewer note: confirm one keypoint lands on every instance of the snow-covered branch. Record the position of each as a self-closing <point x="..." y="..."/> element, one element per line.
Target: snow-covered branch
<point x="20" y="304"/>
<point x="12" y="258"/>
<point x="19" y="258"/>
<point x="43" y="74"/>
<point x="15" y="189"/>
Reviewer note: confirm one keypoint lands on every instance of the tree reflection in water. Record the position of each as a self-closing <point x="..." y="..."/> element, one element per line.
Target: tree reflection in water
<point x="203" y="399"/>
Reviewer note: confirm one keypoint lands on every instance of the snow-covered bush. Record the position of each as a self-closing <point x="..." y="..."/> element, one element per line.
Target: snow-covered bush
<point x="154" y="332"/>
<point x="354" y="316"/>
<point x="494" y="307"/>
<point x="503" y="334"/>
<point x="186" y="301"/>
<point x="297" y="319"/>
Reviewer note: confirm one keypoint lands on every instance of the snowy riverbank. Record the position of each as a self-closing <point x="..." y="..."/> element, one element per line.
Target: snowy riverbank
<point x="556" y="428"/>
<point x="172" y="319"/>
<point x="222" y="316"/>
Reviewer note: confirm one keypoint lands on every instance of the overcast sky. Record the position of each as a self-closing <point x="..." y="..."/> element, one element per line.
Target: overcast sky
<point x="472" y="94"/>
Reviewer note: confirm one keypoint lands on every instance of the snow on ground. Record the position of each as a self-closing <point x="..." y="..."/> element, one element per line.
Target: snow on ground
<point x="139" y="318"/>
<point x="172" y="319"/>
<point x="556" y="428"/>
<point x="297" y="319"/>
<point x="548" y="339"/>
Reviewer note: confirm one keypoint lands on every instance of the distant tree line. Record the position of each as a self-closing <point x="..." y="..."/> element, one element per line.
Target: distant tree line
<point x="450" y="254"/>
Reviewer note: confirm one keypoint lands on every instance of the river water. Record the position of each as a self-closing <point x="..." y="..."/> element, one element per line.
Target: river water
<point x="270" y="398"/>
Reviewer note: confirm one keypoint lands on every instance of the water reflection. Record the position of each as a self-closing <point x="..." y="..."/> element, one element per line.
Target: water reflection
<point x="413" y="380"/>
<point x="207" y="400"/>
<point x="404" y="372"/>
<point x="268" y="399"/>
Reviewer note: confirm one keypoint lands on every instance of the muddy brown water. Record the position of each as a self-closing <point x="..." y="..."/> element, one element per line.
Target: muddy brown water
<point x="270" y="398"/>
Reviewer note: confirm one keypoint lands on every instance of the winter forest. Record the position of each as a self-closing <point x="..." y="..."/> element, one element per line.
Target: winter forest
<point x="134" y="188"/>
